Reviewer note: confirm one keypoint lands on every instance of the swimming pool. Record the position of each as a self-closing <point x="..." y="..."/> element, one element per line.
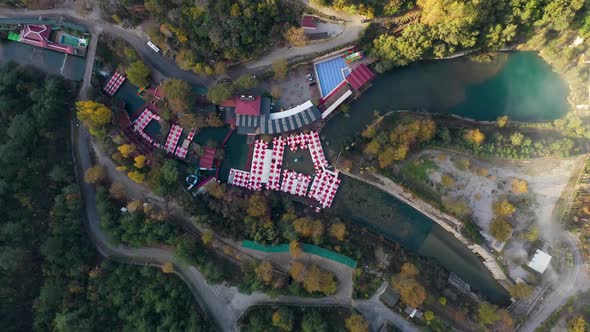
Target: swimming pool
<point x="330" y="73"/>
<point x="69" y="40"/>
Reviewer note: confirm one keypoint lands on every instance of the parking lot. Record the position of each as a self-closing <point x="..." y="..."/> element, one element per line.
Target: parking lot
<point x="295" y="89"/>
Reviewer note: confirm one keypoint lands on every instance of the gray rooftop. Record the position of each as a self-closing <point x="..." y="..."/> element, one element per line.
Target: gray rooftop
<point x="289" y="123"/>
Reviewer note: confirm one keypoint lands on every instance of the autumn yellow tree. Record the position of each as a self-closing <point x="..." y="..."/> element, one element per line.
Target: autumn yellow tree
<point x="310" y="228"/>
<point x="135" y="206"/>
<point x="356" y="323"/>
<point x="295" y="249"/>
<point x="316" y="280"/>
<point x="520" y="290"/>
<point x="117" y="157"/>
<point x="216" y="189"/>
<point x="311" y="281"/>
<point x="126" y="150"/>
<point x="372" y="148"/>
<point x="338" y="231"/>
<point x="117" y="190"/>
<point x="502" y="121"/>
<point x="257" y="206"/>
<point x="410" y="290"/>
<point x="409" y="270"/>
<point x="93" y="115"/>
<point x="168" y="267"/>
<point x="500" y="229"/>
<point x="520" y="186"/>
<point x="283" y="319"/>
<point x="504" y="322"/>
<point x="264" y="272"/>
<point x="392" y="154"/>
<point x="503" y="208"/>
<point x="297" y="271"/>
<point x="219" y="68"/>
<point x="94" y="174"/>
<point x="296" y="36"/>
<point x="179" y="95"/>
<point x="577" y="324"/>
<point x="136" y="176"/>
<point x="474" y="136"/>
<point x="328" y="284"/>
<point x="447" y="180"/>
<point x="207" y="237"/>
<point x="139" y="161"/>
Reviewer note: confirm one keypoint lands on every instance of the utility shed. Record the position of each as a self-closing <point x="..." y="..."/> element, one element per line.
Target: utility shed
<point x="540" y="261"/>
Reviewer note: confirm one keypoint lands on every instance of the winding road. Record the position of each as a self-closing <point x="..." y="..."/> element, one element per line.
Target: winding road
<point x="224" y="304"/>
<point x="166" y="67"/>
<point x="573" y="282"/>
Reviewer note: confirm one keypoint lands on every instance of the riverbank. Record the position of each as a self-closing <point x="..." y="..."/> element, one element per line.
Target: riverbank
<point x="446" y="221"/>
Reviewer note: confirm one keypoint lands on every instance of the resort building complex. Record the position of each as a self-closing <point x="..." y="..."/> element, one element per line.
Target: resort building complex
<point x="266" y="169"/>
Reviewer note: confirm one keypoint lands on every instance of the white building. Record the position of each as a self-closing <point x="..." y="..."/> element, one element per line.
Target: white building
<point x="540" y="261"/>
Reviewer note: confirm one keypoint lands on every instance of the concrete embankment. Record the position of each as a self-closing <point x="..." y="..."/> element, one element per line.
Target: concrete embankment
<point x="447" y="222"/>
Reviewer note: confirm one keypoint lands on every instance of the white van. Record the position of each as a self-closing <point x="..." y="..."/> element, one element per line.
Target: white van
<point x="153" y="46"/>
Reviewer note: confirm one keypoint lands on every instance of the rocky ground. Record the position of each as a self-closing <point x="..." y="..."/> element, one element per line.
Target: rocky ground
<point x="474" y="185"/>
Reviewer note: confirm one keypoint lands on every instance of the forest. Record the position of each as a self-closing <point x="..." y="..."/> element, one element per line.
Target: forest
<point x="34" y="166"/>
<point x="305" y="319"/>
<point x="394" y="136"/>
<point x="222" y="29"/>
<point x="51" y="277"/>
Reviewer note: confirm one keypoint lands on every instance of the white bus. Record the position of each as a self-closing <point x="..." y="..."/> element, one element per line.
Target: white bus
<point x="153" y="46"/>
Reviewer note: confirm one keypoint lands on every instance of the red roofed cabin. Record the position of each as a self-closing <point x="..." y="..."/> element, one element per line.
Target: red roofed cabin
<point x="206" y="160"/>
<point x="157" y="92"/>
<point x="244" y="105"/>
<point x="308" y="22"/>
<point x="360" y="76"/>
<point x="248" y="105"/>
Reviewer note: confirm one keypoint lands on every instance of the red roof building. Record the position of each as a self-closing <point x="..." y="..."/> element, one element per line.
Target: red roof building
<point x="308" y="22"/>
<point x="360" y="76"/>
<point x="157" y="92"/>
<point x="248" y="105"/>
<point x="207" y="158"/>
<point x="36" y="33"/>
<point x="229" y="103"/>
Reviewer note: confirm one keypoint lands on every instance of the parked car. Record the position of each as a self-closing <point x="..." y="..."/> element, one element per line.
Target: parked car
<point x="153" y="46"/>
<point x="310" y="77"/>
<point x="312" y="84"/>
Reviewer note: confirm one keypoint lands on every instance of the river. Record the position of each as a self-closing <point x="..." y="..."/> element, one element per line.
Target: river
<point x="519" y="85"/>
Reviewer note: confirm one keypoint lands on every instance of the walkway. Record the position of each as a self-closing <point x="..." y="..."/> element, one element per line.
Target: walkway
<point x="90" y="55"/>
